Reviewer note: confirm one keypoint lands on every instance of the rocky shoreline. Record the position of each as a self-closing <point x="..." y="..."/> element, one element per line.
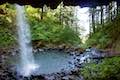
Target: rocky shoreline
<point x="8" y="72"/>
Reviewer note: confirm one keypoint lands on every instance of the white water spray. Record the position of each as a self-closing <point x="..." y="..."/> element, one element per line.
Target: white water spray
<point x="24" y="38"/>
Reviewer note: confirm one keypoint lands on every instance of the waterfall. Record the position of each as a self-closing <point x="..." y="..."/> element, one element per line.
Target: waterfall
<point x="24" y="39"/>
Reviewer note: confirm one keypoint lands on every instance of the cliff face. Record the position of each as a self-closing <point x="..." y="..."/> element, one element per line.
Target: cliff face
<point x="54" y="3"/>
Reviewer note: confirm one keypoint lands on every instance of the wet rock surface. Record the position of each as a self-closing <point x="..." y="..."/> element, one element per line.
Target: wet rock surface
<point x="8" y="72"/>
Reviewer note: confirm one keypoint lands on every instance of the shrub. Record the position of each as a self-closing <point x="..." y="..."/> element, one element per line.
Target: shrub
<point x="108" y="69"/>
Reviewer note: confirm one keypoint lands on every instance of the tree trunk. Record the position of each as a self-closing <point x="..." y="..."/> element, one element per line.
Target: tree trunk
<point x="101" y="21"/>
<point x="93" y="19"/>
<point x="42" y="13"/>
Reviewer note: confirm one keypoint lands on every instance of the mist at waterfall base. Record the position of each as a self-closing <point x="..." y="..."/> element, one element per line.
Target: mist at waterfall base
<point x="27" y="63"/>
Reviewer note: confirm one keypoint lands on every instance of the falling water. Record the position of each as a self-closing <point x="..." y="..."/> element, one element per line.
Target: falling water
<point x="24" y="39"/>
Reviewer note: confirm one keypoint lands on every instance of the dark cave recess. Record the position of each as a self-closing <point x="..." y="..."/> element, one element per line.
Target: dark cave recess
<point x="54" y="3"/>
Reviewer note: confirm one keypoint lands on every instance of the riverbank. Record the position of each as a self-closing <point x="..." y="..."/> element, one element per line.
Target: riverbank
<point x="82" y="60"/>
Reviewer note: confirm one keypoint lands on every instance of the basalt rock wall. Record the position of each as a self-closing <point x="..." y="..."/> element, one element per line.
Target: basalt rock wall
<point x="54" y="3"/>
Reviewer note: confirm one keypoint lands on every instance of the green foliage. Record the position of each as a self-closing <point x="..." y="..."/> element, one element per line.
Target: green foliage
<point x="50" y="29"/>
<point x="7" y="26"/>
<point x="108" y="69"/>
<point x="107" y="35"/>
<point x="68" y="35"/>
<point x="6" y="39"/>
<point x="98" y="39"/>
<point x="53" y="32"/>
